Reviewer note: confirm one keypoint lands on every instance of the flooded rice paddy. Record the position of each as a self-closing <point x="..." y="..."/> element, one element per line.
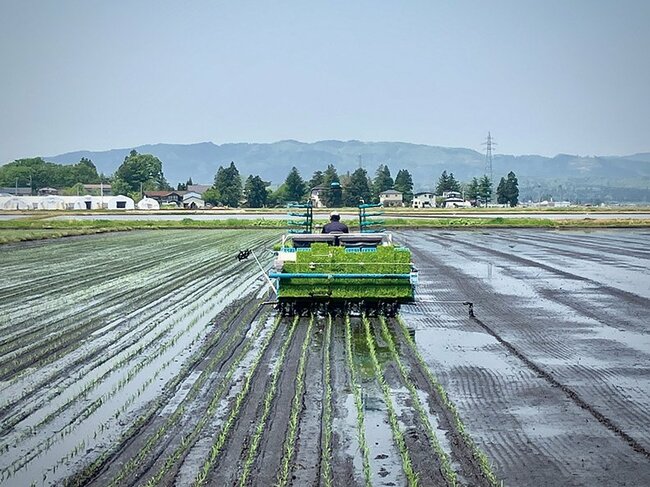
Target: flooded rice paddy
<point x="144" y="358"/>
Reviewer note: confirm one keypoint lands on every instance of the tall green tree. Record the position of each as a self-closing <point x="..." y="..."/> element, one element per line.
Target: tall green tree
<point x="382" y="182"/>
<point x="183" y="186"/>
<point x="472" y="190"/>
<point x="447" y="182"/>
<point x="139" y="171"/>
<point x="316" y="180"/>
<point x="295" y="187"/>
<point x="485" y="189"/>
<point x="228" y="185"/>
<point x="443" y="183"/>
<point x="404" y="183"/>
<point x="333" y="194"/>
<point x="502" y="199"/>
<point x="255" y="192"/>
<point x="357" y="190"/>
<point x="512" y="189"/>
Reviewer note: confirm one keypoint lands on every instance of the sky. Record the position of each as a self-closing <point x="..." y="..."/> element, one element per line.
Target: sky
<point x="544" y="77"/>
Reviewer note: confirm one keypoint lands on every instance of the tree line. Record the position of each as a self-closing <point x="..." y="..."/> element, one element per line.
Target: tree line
<point x="479" y="190"/>
<point x="144" y="172"/>
<point x="335" y="190"/>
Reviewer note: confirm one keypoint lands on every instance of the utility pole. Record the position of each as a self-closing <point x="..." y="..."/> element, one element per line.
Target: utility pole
<point x="489" y="144"/>
<point x="360" y="159"/>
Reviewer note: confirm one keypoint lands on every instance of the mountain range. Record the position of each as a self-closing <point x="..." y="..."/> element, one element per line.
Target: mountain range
<point x="272" y="161"/>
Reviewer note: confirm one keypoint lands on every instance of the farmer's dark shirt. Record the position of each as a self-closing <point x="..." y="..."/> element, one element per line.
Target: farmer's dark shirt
<point x="335" y="227"/>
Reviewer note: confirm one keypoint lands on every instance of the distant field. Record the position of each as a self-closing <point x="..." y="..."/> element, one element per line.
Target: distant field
<point x="40" y="227"/>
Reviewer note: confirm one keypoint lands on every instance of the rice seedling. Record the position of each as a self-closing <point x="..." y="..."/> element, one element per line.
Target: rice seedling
<point x="478" y="454"/>
<point x="296" y="406"/>
<point x="327" y="407"/>
<point x="445" y="463"/>
<point x="356" y="390"/>
<point x="239" y="399"/>
<point x="407" y="466"/>
<point x="268" y="401"/>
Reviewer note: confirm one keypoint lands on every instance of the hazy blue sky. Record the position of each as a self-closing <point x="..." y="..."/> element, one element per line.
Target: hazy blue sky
<point x="544" y="76"/>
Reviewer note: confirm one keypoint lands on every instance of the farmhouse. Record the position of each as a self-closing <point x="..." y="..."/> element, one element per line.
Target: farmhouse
<point x="424" y="200"/>
<point x="453" y="199"/>
<point x="166" y="197"/>
<point x="390" y="197"/>
<point x="316" y="194"/>
<point x="193" y="200"/>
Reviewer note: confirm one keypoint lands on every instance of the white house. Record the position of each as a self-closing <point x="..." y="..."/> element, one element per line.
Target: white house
<point x="424" y="200"/>
<point x="193" y="200"/>
<point x="148" y="204"/>
<point x="454" y="199"/>
<point x="390" y="197"/>
<point x="316" y="194"/>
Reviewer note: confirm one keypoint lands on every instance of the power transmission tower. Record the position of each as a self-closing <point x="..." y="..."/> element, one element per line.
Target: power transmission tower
<point x="489" y="144"/>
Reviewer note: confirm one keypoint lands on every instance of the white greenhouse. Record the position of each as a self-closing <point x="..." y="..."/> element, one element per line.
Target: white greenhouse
<point x="148" y="204"/>
<point x="14" y="203"/>
<point x="120" y="203"/>
<point x="51" y="203"/>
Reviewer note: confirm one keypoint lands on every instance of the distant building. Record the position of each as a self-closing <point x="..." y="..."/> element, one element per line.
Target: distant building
<point x="47" y="191"/>
<point x="20" y="191"/>
<point x="424" y="200"/>
<point x="454" y="199"/>
<point x="98" y="189"/>
<point x="193" y="201"/>
<point x="316" y="195"/>
<point x="167" y="197"/>
<point x="390" y="197"/>
<point x="198" y="188"/>
<point x="54" y="202"/>
<point x="148" y="204"/>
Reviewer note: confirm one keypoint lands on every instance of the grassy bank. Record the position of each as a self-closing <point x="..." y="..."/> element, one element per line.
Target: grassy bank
<point x="37" y="228"/>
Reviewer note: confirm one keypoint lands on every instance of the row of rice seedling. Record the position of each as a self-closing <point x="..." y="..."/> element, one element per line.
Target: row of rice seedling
<point x="143" y="296"/>
<point x="296" y="407"/>
<point x="478" y="455"/>
<point x="326" y="456"/>
<point x="94" y="349"/>
<point x="110" y="362"/>
<point x="84" y="269"/>
<point x="154" y="408"/>
<point x="356" y="391"/>
<point x="268" y="402"/>
<point x="221" y="438"/>
<point x="407" y="465"/>
<point x="36" y="444"/>
<point x="190" y="438"/>
<point x="445" y="463"/>
<point x="119" y="405"/>
<point x="192" y="317"/>
<point x="159" y="265"/>
<point x="94" y="300"/>
<point x="51" y="342"/>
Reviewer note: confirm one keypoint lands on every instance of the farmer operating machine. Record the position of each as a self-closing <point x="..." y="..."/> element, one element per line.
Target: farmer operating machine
<point x="345" y="272"/>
